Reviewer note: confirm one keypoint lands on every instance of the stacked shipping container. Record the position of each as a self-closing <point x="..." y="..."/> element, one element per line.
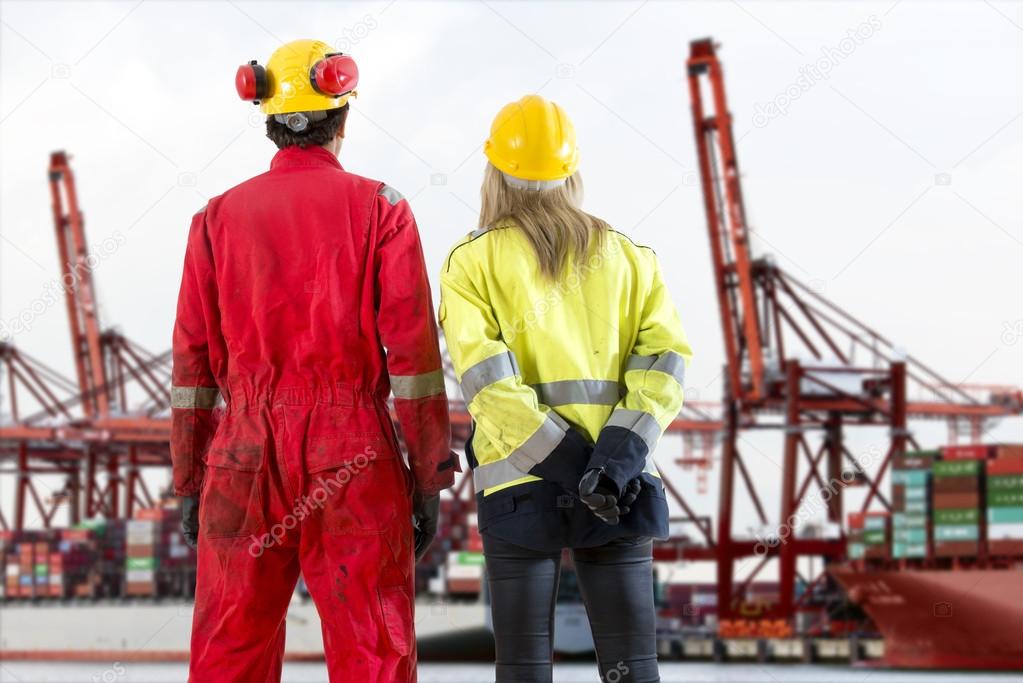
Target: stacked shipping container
<point x="959" y="502"/>
<point x="100" y="559"/>
<point x="1005" y="502"/>
<point x="869" y="535"/>
<point x="958" y="485"/>
<point x="54" y="564"/>
<point x="911" y="503"/>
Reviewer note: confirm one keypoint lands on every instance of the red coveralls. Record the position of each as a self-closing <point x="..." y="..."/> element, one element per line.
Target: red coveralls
<point x="295" y="282"/>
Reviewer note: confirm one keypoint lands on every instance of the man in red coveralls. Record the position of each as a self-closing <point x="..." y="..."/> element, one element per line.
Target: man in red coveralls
<point x="304" y="303"/>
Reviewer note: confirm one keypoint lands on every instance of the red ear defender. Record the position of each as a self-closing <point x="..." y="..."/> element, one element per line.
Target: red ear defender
<point x="334" y="75"/>
<point x="251" y="83"/>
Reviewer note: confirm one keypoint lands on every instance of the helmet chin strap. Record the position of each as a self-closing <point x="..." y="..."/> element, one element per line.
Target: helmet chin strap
<point x="298" y="121"/>
<point x="532" y="185"/>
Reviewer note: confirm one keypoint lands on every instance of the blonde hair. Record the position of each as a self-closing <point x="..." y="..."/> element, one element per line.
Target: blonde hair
<point x="551" y="220"/>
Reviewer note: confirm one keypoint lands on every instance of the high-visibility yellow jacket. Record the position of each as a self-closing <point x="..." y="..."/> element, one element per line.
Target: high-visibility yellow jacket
<point x="560" y="376"/>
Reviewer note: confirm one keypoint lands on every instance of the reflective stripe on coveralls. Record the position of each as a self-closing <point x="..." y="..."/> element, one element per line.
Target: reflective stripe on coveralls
<point x="418" y="386"/>
<point x="201" y="398"/>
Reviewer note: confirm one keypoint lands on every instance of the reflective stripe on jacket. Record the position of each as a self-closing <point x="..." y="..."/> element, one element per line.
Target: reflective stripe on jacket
<point x="599" y="353"/>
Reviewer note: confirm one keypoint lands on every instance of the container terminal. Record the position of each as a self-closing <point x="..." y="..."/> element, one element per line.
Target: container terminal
<point x="924" y="570"/>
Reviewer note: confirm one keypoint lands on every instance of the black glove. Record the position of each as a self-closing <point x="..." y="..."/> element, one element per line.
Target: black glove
<point x="600" y="496"/>
<point x="629" y="496"/>
<point x="190" y="520"/>
<point x="425" y="513"/>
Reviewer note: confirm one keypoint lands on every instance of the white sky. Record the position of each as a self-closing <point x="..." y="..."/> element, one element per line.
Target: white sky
<point x="841" y="189"/>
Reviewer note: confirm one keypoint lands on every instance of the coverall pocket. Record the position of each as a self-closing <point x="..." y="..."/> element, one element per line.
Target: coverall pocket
<point x="396" y="610"/>
<point x="231" y="503"/>
<point x="363" y="496"/>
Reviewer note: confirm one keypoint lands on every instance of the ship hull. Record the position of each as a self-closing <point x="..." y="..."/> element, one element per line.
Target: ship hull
<point x="943" y="619"/>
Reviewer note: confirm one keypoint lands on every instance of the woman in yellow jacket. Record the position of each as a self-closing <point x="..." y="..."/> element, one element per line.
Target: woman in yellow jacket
<point x="571" y="359"/>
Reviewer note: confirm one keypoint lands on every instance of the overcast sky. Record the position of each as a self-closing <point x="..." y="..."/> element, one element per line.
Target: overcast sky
<point x="891" y="183"/>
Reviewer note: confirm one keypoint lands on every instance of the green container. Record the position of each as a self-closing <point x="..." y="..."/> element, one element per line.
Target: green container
<point x="141" y="563"/>
<point x="1005" y="515"/>
<point x="1005" y="482"/>
<point x="1005" y="499"/>
<point x="957" y="468"/>
<point x="470" y="558"/>
<point x="923" y="454"/>
<point x="956" y="532"/>
<point x="42" y="569"/>
<point x="875" y="537"/>
<point x="97" y="526"/>
<point x="964" y="516"/>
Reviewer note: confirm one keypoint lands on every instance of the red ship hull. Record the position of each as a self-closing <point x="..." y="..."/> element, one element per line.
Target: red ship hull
<point x="942" y="618"/>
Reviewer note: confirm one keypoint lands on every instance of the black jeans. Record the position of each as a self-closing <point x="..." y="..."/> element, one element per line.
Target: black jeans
<point x="616" y="581"/>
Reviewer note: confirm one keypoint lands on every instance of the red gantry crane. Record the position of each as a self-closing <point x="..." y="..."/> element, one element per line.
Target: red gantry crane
<point x="798" y="364"/>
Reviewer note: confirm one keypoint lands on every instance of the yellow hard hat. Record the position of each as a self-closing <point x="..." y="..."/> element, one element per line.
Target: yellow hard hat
<point x="533" y="140"/>
<point x="303" y="75"/>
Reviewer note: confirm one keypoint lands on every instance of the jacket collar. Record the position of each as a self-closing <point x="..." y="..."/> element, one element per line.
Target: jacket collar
<point x="314" y="155"/>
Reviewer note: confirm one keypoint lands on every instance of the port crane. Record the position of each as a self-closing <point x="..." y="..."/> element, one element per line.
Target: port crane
<point x="800" y="365"/>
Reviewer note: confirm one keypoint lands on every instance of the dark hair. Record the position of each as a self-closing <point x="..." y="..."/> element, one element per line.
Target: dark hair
<point x="318" y="133"/>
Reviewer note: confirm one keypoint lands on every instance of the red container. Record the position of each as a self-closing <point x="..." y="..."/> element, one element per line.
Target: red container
<point x="877" y="552"/>
<point x="956" y="485"/>
<point x="857" y="520"/>
<point x="909" y="462"/>
<point x="956" y="501"/>
<point x="140" y="588"/>
<point x="956" y="548"/>
<point x="1010" y="465"/>
<point x="1009" y="450"/>
<point x="158" y="513"/>
<point x="973" y="451"/>
<point x="1009" y="547"/>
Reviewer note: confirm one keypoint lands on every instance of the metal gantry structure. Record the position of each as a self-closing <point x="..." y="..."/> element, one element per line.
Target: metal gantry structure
<point x="800" y="365"/>
<point x="98" y="431"/>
